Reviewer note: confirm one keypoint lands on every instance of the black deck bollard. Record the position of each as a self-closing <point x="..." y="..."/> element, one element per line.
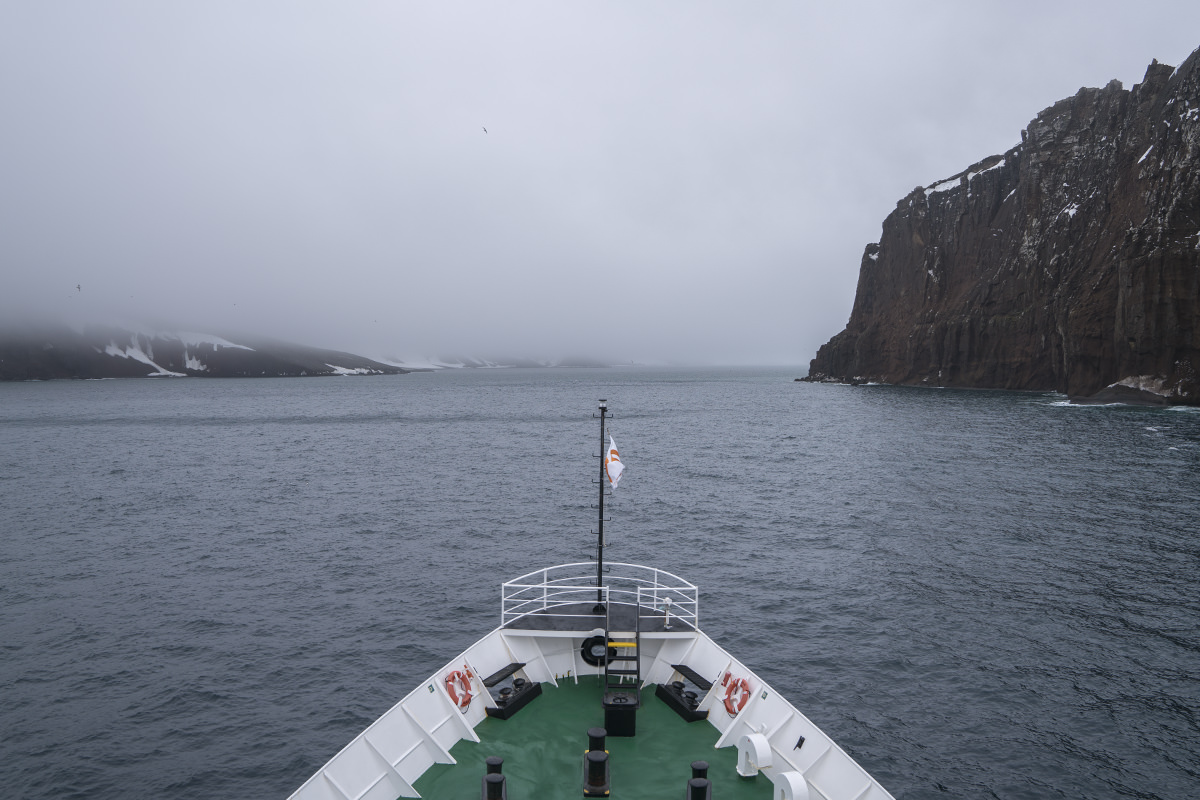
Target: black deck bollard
<point x="699" y="789"/>
<point x="595" y="782"/>
<point x="596" y="738"/>
<point x="699" y="769"/>
<point x="494" y="787"/>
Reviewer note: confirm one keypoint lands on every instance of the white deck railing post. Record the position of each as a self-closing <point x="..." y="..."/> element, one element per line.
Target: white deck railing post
<point x="627" y="584"/>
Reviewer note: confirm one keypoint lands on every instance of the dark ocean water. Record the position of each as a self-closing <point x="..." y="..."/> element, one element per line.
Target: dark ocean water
<point x="208" y="587"/>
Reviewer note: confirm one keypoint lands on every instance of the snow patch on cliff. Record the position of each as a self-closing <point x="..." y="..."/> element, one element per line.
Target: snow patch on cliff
<point x="352" y="371"/>
<point x="193" y="339"/>
<point x="1154" y="384"/>
<point x="135" y="351"/>
<point x="943" y="186"/>
<point x="997" y="165"/>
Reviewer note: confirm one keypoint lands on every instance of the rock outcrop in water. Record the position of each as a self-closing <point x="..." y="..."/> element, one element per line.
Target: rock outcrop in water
<point x="1069" y="263"/>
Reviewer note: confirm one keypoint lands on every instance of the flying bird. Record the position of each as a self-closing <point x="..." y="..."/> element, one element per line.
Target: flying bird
<point x="78" y="288"/>
<point x="485" y="130"/>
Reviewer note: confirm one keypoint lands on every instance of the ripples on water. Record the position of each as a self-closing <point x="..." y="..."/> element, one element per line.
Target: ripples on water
<point x="208" y="587"/>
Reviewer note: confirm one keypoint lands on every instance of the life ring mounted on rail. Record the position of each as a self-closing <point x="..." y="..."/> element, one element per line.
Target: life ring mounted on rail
<point x="737" y="692"/>
<point x="458" y="686"/>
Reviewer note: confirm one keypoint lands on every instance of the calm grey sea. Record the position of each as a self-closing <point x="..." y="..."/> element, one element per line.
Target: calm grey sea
<point x="207" y="587"/>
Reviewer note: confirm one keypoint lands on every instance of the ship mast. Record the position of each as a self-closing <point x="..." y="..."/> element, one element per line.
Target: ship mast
<point x="599" y="609"/>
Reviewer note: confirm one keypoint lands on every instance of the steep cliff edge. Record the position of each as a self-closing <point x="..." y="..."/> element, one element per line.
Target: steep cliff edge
<point x="1069" y="263"/>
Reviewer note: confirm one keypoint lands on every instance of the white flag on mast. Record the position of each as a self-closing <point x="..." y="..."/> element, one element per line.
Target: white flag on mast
<point x="612" y="463"/>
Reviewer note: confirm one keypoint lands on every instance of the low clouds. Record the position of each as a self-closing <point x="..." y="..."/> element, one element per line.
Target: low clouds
<point x="672" y="181"/>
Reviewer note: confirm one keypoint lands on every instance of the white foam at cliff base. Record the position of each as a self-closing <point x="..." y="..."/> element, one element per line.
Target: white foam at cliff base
<point x="1069" y="404"/>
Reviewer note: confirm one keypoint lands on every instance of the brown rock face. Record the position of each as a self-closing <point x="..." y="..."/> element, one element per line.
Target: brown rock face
<point x="1069" y="263"/>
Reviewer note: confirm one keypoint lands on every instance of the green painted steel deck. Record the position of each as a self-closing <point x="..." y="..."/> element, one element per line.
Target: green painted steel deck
<point x="544" y="743"/>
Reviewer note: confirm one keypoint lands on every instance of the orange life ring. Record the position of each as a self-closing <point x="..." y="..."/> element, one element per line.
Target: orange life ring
<point x="740" y="686"/>
<point x="458" y="685"/>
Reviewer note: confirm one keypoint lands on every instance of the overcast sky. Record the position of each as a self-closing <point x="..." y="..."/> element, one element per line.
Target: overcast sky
<point x="658" y="181"/>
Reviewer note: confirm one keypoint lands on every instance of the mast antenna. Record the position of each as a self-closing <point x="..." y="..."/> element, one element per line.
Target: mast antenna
<point x="599" y="609"/>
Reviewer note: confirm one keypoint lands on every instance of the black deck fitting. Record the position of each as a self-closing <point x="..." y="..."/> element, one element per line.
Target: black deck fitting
<point x="494" y="787"/>
<point x="510" y="703"/>
<point x="620" y="713"/>
<point x="596" y="775"/>
<point x="676" y="697"/>
<point x="596" y="738"/>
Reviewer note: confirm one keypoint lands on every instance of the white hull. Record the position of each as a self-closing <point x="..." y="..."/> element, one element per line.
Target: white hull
<point x="385" y="760"/>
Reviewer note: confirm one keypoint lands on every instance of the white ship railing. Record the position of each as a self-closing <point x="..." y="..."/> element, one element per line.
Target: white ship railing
<point x="562" y="590"/>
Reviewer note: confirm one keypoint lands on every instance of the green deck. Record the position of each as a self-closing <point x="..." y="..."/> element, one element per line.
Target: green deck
<point x="544" y="743"/>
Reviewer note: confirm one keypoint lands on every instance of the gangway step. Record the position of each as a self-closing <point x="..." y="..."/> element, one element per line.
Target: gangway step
<point x="499" y="675"/>
<point x="693" y="676"/>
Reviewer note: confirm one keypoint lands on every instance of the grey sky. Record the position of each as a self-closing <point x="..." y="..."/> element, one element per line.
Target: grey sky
<point x="658" y="180"/>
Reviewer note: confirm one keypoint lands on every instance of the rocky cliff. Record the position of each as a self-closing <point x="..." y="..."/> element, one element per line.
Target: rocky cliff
<point x="1069" y="263"/>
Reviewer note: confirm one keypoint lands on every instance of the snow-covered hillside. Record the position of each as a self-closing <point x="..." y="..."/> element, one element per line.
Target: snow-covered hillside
<point x="109" y="352"/>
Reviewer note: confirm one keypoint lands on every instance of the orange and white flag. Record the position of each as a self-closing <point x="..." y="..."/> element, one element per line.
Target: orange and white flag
<point x="612" y="463"/>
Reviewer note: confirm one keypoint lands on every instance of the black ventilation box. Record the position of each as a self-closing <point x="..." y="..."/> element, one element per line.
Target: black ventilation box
<point x="620" y="713"/>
